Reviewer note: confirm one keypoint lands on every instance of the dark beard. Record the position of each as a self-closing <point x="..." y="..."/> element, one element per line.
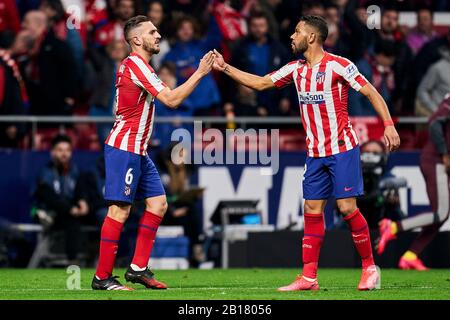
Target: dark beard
<point x="301" y="49"/>
<point x="150" y="50"/>
<point x="62" y="168"/>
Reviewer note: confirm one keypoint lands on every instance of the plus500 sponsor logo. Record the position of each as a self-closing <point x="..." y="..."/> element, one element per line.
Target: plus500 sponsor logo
<point x="311" y="98"/>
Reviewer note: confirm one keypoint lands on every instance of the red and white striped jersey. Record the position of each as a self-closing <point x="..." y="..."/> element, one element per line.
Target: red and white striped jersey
<point x="137" y="85"/>
<point x="322" y="93"/>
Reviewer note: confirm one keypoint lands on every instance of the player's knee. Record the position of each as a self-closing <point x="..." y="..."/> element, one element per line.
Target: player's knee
<point x="311" y="208"/>
<point x="346" y="208"/>
<point x="159" y="208"/>
<point x="164" y="207"/>
<point x="119" y="213"/>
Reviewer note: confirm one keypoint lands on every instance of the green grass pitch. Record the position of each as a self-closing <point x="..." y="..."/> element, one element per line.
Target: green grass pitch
<point x="229" y="284"/>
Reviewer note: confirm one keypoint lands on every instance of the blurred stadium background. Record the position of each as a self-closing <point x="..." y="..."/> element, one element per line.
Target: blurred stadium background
<point x="57" y="78"/>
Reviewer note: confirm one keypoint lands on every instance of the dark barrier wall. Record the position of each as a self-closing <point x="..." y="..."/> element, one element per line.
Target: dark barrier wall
<point x="282" y="249"/>
<point x="20" y="169"/>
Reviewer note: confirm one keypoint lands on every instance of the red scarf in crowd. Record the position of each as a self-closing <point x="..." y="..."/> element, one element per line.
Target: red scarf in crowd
<point x="6" y="57"/>
<point x="231" y="23"/>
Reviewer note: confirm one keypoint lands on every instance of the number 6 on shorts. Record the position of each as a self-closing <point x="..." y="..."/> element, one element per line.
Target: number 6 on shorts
<point x="129" y="177"/>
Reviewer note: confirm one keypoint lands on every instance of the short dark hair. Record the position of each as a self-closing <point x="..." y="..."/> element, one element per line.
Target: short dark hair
<point x="133" y="23"/>
<point x="317" y="23"/>
<point x="424" y="8"/>
<point x="386" y="47"/>
<point x="178" y="23"/>
<point x="331" y="6"/>
<point x="389" y="7"/>
<point x="61" y="138"/>
<point x="57" y="6"/>
<point x="257" y="15"/>
<point x="308" y="5"/>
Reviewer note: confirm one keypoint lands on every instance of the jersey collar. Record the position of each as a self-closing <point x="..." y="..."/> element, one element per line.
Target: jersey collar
<point x="135" y="54"/>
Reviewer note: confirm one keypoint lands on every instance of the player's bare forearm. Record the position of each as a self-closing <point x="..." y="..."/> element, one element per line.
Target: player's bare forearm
<point x="173" y="98"/>
<point x="377" y="101"/>
<point x="247" y="79"/>
<point x="391" y="137"/>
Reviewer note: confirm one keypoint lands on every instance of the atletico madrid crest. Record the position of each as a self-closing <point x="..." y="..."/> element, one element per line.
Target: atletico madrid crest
<point x="320" y="77"/>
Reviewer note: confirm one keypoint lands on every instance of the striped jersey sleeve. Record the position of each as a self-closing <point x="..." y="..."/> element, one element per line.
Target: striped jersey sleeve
<point x="351" y="74"/>
<point x="144" y="77"/>
<point x="284" y="75"/>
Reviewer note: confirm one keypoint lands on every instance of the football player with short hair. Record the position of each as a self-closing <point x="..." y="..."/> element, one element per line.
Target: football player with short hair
<point x="333" y="164"/>
<point x="130" y="173"/>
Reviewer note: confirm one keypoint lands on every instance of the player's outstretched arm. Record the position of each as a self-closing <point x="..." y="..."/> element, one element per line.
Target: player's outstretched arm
<point x="173" y="98"/>
<point x="391" y="137"/>
<point x="245" y="78"/>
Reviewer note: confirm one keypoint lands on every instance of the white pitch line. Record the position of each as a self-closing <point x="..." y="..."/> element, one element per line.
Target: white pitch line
<point x="214" y="288"/>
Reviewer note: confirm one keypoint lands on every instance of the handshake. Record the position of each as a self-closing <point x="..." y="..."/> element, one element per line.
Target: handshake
<point x="211" y="60"/>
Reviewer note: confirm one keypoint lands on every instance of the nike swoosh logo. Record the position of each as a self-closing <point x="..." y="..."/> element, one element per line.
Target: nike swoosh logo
<point x="348" y="189"/>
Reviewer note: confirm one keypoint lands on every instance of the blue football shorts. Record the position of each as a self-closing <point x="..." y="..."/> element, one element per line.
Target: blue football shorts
<point x="339" y="175"/>
<point x="130" y="176"/>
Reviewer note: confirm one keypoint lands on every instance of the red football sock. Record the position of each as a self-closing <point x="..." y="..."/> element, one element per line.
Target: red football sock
<point x="312" y="241"/>
<point x="109" y="242"/>
<point x="361" y="236"/>
<point x="148" y="226"/>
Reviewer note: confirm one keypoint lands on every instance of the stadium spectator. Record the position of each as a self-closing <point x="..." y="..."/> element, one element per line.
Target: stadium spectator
<point x="50" y="61"/>
<point x="230" y="19"/>
<point x="423" y="32"/>
<point x="96" y="13"/>
<point x="191" y="7"/>
<point x="315" y="8"/>
<point x="181" y="209"/>
<point x="58" y="22"/>
<point x="244" y="103"/>
<point x="185" y="54"/>
<point x="390" y="31"/>
<point x="259" y="53"/>
<point x="27" y="5"/>
<point x="103" y="97"/>
<point x="13" y="95"/>
<point x="429" y="54"/>
<point x="94" y="190"/>
<point x="60" y="203"/>
<point x="157" y="16"/>
<point x="354" y="26"/>
<point x="162" y="131"/>
<point x="9" y="22"/>
<point x="377" y="68"/>
<point x="268" y="8"/>
<point x="346" y="33"/>
<point x="287" y="14"/>
<point x="435" y="167"/>
<point x="435" y="84"/>
<point x="113" y="29"/>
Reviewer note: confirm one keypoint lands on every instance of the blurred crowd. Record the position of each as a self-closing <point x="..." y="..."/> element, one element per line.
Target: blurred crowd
<point x="59" y="57"/>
